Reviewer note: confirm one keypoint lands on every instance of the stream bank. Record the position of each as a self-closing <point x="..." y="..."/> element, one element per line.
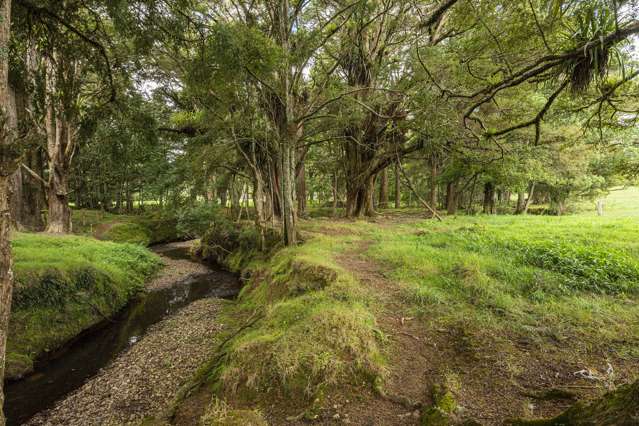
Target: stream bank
<point x="156" y="337"/>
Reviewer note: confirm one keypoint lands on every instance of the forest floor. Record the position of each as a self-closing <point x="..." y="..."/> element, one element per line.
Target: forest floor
<point x="516" y="317"/>
<point x="143" y="380"/>
<point x="494" y="328"/>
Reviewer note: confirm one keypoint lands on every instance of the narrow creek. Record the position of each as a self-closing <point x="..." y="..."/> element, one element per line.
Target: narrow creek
<point x="70" y="367"/>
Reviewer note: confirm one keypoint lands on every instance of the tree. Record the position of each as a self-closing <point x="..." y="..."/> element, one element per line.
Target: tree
<point x="8" y="165"/>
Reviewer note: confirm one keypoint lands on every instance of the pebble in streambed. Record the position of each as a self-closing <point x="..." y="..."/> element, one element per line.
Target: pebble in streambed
<point x="143" y="380"/>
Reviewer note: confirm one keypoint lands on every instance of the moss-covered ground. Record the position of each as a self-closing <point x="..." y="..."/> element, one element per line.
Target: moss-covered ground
<point x="64" y="285"/>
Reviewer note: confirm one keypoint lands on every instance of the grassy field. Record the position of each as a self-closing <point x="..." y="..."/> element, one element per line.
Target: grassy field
<point x="515" y="303"/>
<point x="65" y="284"/>
<point x="570" y="279"/>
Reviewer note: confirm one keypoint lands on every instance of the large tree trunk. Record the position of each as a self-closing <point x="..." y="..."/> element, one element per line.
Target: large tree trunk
<point x="398" y="187"/>
<point x="8" y="165"/>
<point x="60" y="149"/>
<point x="521" y="202"/>
<point x="59" y="214"/>
<point x="359" y="198"/>
<point x="383" y="189"/>
<point x="489" y="198"/>
<point x="451" y="198"/>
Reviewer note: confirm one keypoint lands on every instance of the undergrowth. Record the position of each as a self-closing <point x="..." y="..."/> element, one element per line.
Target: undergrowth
<point x="65" y="284"/>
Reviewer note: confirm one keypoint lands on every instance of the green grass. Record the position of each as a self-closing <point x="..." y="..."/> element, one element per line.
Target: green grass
<point x="150" y="227"/>
<point x="315" y="328"/>
<point x="569" y="279"/>
<point x="132" y="233"/>
<point x="65" y="284"/>
<point x="307" y="326"/>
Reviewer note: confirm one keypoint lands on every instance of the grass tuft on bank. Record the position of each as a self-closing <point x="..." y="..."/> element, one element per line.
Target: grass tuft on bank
<point x="64" y="285"/>
<point x="311" y="327"/>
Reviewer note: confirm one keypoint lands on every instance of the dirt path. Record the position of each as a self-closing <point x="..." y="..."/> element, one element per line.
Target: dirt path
<point x="409" y="352"/>
<point x="143" y="380"/>
<point x="421" y="354"/>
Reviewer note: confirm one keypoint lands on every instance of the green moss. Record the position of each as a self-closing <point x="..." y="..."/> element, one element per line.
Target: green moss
<point x="314" y="329"/>
<point x="219" y="414"/>
<point x="620" y="408"/>
<point x="442" y="412"/>
<point x="128" y="233"/>
<point x="65" y="284"/>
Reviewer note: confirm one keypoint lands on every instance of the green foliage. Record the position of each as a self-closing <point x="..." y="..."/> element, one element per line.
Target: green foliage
<point x="133" y="233"/>
<point x="161" y="225"/>
<point x="72" y="282"/>
<point x="586" y="267"/>
<point x="194" y="221"/>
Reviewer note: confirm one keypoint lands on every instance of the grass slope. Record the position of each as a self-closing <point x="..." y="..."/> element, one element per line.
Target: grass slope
<point x="306" y="326"/>
<point x="152" y="227"/>
<point x="65" y="284"/>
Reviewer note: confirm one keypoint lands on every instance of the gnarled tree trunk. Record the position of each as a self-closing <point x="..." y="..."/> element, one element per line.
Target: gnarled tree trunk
<point x="60" y="142"/>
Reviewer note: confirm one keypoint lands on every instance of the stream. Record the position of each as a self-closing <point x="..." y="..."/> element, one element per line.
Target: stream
<point x="71" y="366"/>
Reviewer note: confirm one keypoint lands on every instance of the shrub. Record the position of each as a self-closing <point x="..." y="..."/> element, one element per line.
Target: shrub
<point x="194" y="221"/>
<point x="128" y="233"/>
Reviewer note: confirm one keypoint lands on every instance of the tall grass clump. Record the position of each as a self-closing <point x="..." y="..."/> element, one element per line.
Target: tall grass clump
<point x="311" y="327"/>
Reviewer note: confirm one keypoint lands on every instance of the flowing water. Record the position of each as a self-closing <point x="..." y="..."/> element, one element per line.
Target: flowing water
<point x="70" y="367"/>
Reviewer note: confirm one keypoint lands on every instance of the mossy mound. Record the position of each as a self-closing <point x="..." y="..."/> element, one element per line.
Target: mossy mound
<point x="442" y="412"/>
<point x="311" y="324"/>
<point x="618" y="408"/>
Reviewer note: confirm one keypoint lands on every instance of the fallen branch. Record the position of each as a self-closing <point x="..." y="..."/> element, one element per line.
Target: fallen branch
<point x="35" y="175"/>
<point x="410" y="186"/>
